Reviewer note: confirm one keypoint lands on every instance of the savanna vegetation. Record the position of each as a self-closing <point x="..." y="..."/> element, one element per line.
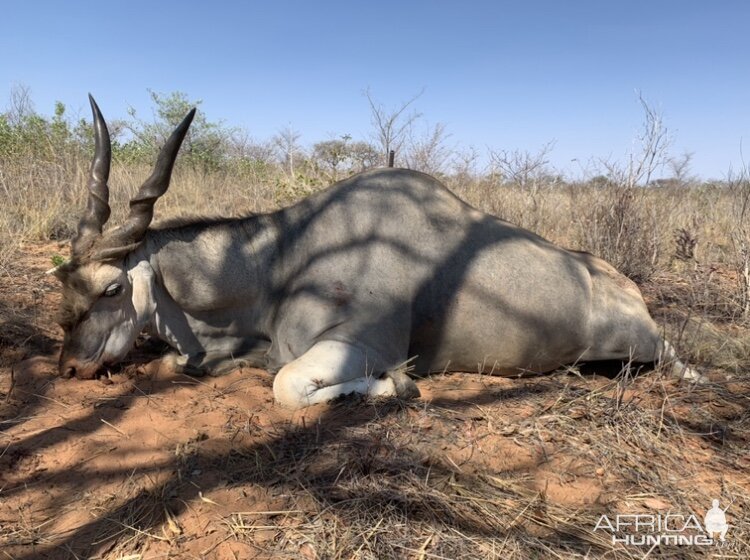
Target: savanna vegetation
<point x="481" y="467"/>
<point x="646" y="216"/>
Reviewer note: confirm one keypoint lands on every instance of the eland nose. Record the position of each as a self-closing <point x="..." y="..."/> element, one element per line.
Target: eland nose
<point x="66" y="367"/>
<point x="71" y="367"/>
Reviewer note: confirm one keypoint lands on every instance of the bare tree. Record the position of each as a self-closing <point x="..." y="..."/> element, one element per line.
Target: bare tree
<point x="652" y="155"/>
<point x="286" y="142"/>
<point x="20" y="105"/>
<point x="739" y="185"/>
<point x="680" y="168"/>
<point x="620" y="227"/>
<point x="391" y="125"/>
<point x="428" y="152"/>
<point x="521" y="167"/>
<point x="529" y="173"/>
<point x="655" y="143"/>
<point x="243" y="146"/>
<point x="464" y="163"/>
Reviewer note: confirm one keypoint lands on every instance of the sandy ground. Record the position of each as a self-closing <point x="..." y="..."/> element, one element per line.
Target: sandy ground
<point x="152" y="464"/>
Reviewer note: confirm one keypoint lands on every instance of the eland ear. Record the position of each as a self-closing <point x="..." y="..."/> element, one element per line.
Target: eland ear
<point x="61" y="271"/>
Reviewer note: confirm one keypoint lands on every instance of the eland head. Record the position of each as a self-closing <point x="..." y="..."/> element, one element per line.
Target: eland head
<point x="106" y="298"/>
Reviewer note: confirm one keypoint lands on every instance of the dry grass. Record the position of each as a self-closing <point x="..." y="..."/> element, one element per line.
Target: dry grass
<point x="480" y="468"/>
<point x="43" y="200"/>
<point x="635" y="229"/>
<point x="435" y="479"/>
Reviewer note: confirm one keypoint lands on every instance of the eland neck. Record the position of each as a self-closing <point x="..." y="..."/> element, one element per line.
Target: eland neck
<point x="213" y="283"/>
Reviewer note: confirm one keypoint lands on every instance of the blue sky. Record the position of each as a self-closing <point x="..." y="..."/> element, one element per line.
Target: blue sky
<point x="508" y="75"/>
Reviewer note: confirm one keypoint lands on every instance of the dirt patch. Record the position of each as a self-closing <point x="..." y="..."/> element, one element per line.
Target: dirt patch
<point x="153" y="464"/>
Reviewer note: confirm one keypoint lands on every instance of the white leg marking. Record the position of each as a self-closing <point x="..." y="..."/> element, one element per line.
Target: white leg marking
<point x="328" y="370"/>
<point x="679" y="369"/>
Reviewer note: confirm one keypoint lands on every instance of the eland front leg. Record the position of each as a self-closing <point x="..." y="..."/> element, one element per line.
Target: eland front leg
<point x="331" y="369"/>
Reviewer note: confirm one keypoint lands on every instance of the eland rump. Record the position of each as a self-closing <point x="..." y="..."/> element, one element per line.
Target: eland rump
<point x="339" y="291"/>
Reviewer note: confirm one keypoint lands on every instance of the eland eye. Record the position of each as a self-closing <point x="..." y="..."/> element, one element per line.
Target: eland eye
<point x="113" y="290"/>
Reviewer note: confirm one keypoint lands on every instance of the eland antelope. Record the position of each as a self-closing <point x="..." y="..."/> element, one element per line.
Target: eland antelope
<point x="337" y="292"/>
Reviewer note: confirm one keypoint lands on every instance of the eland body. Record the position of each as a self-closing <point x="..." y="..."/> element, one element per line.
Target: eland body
<point x="339" y="291"/>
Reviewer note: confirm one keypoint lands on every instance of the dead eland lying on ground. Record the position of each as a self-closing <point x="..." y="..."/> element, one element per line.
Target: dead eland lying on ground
<point x="338" y="291"/>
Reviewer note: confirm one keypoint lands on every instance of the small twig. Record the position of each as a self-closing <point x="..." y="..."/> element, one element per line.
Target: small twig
<point x="12" y="384"/>
<point x="123" y="434"/>
<point x="523" y="511"/>
<point x="425" y="544"/>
